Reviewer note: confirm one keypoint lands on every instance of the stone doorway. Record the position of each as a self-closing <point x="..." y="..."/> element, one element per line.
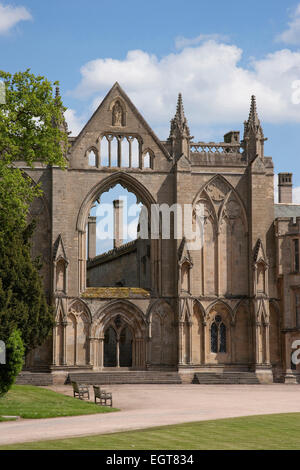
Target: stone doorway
<point x="125" y="349"/>
<point x="110" y="348"/>
<point x="118" y="347"/>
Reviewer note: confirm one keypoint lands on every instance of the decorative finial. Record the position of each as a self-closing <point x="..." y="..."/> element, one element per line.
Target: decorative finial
<point x="253" y="116"/>
<point x="57" y="92"/>
<point x="179" y="121"/>
<point x="179" y="108"/>
<point x="253" y="141"/>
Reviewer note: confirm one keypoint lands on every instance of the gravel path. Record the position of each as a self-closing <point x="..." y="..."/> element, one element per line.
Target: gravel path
<point x="146" y="406"/>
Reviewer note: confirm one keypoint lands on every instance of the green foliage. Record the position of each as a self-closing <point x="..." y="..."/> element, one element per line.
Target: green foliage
<point x="265" y="432"/>
<point x="22" y="300"/>
<point x="14" y="361"/>
<point x="31" y="402"/>
<point x="32" y="128"/>
<point x="31" y="120"/>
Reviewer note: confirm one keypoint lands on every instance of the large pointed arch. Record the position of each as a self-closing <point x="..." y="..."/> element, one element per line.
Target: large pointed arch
<point x="223" y="304"/>
<point x="231" y="190"/>
<point x="131" y="313"/>
<point x="127" y="181"/>
<point x="197" y="304"/>
<point x="162" y="348"/>
<point x="144" y="196"/>
<point x="78" y="305"/>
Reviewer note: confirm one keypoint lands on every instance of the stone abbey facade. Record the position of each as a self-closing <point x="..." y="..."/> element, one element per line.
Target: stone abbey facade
<point x="233" y="305"/>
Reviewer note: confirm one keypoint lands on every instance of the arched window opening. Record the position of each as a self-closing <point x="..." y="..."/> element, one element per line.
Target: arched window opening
<point x="147" y="160"/>
<point x="125" y="152"/>
<point x="120" y="151"/>
<point x="92" y="158"/>
<point x="105" y="151"/>
<point x="118" y="253"/>
<point x="218" y="336"/>
<point x="214" y="338"/>
<point x="222" y="338"/>
<point x="135" y="153"/>
<point x="114" y="148"/>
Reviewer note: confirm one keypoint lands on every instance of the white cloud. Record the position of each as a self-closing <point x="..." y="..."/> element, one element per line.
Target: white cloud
<point x="292" y="34"/>
<point x="216" y="87"/>
<point x="75" y="123"/>
<point x="181" y="42"/>
<point x="10" y="16"/>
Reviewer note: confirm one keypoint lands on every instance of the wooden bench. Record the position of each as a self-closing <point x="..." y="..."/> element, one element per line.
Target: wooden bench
<point x="80" y="390"/>
<point x="104" y="397"/>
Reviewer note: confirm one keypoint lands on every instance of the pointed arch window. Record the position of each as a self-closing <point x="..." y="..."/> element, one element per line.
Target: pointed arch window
<point x="120" y="151"/>
<point x="222" y="331"/>
<point x="214" y="338"/>
<point x="148" y="158"/>
<point x="218" y="336"/>
<point x="92" y="158"/>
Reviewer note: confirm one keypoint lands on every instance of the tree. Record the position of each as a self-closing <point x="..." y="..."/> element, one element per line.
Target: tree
<point x="22" y="299"/>
<point x="14" y="362"/>
<point x="32" y="128"/>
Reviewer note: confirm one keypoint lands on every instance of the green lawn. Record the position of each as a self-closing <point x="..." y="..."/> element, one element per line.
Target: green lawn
<point x="280" y="431"/>
<point x="28" y="401"/>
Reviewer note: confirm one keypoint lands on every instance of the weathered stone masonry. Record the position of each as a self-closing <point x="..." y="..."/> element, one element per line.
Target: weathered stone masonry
<point x="232" y="305"/>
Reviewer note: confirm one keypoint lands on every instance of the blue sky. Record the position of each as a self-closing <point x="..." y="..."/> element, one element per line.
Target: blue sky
<point x="216" y="53"/>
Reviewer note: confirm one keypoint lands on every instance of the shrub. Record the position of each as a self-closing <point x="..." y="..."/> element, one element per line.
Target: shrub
<point x="14" y="362"/>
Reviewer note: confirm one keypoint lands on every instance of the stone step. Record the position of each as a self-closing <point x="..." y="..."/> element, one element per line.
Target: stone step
<point x="132" y="377"/>
<point x="211" y="378"/>
<point x="34" y="378"/>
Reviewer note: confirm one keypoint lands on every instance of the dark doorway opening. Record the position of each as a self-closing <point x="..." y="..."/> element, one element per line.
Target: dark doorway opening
<point x="126" y="347"/>
<point x="110" y="348"/>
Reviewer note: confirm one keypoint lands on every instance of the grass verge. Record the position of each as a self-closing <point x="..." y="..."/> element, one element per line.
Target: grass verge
<point x="281" y="431"/>
<point x="28" y="401"/>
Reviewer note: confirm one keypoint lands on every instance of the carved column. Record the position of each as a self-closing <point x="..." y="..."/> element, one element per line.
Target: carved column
<point x="118" y="352"/>
<point x="190" y="356"/>
<point x="180" y="342"/>
<point x="76" y="342"/>
<point x="148" y="345"/>
<point x="92" y="355"/>
<point x="139" y="352"/>
<point x="54" y="345"/>
<point x="204" y="343"/>
<point x="100" y="354"/>
<point x="232" y="340"/>
<point x="257" y="343"/>
<point x="267" y="343"/>
<point x="217" y="262"/>
<point x="64" y="324"/>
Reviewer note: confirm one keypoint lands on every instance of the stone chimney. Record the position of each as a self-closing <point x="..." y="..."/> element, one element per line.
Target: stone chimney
<point x="285" y="188"/>
<point x="118" y="223"/>
<point x="91" y="237"/>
